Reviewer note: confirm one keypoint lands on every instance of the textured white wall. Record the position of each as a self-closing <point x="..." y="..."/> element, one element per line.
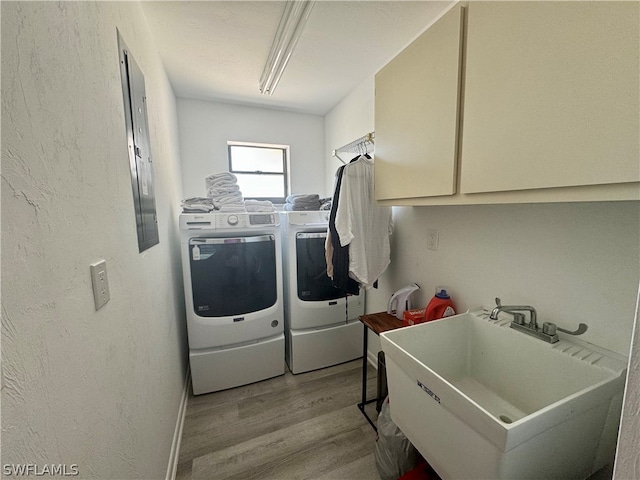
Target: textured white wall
<point x="573" y="262"/>
<point x="349" y="120"/>
<point x="97" y="389"/>
<point x="205" y="127"/>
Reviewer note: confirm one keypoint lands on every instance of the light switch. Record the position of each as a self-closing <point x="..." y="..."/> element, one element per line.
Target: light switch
<point x="432" y="239"/>
<point x="100" y="283"/>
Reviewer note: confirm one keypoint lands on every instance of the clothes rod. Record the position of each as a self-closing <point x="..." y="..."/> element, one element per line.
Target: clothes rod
<point x="360" y="145"/>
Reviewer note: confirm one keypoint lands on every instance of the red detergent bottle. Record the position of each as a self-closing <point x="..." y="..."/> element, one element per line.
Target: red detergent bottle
<point x="440" y="306"/>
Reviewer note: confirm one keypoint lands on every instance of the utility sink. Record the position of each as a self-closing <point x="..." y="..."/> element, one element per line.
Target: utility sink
<point x="481" y="400"/>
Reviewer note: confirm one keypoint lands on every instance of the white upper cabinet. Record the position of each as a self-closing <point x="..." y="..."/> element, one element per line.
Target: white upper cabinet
<point x="508" y="102"/>
<point x="416" y="114"/>
<point x="551" y="95"/>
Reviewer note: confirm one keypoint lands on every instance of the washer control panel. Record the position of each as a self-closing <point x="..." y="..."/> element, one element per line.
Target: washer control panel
<point x="246" y="220"/>
<point x="214" y="221"/>
<point x="263" y="219"/>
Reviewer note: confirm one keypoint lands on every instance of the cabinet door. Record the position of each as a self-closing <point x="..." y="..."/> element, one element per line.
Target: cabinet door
<point x="551" y="95"/>
<point x="416" y="114"/>
<point x="135" y="106"/>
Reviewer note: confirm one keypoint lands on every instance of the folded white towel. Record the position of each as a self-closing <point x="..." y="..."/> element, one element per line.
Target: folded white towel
<point x="228" y="199"/>
<point x="216" y="190"/>
<point x="235" y="207"/>
<point x="195" y="208"/>
<point x="259" y="206"/>
<point x="235" y="197"/>
<point x="304" y="198"/>
<point x="196" y="200"/>
<point x="223" y="183"/>
<point x="196" y="204"/>
<point x="264" y="203"/>
<point x="212" y="179"/>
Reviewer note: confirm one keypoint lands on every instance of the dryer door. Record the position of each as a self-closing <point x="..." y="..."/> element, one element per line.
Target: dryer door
<point x="311" y="266"/>
<point x="233" y="276"/>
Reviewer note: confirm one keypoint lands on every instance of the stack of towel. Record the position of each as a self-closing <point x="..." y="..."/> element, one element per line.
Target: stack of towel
<point x="197" y="205"/>
<point x="223" y="190"/>
<point x="259" y="206"/>
<point x="307" y="201"/>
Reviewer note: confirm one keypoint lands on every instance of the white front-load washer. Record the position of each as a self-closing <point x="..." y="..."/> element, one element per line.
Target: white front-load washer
<point x="321" y="322"/>
<point x="232" y="269"/>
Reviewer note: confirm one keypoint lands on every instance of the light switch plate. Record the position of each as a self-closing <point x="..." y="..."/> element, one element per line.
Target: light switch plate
<point x="432" y="239"/>
<point x="100" y="283"/>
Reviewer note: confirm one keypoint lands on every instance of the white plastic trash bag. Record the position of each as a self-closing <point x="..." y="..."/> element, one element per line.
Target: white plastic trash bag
<point x="395" y="455"/>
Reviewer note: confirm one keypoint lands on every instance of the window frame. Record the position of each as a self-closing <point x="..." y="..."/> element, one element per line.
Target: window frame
<point x="285" y="167"/>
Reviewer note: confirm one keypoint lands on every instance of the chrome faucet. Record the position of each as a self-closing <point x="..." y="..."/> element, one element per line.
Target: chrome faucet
<point x="546" y="333"/>
<point x="517" y="317"/>
<point x="519" y="324"/>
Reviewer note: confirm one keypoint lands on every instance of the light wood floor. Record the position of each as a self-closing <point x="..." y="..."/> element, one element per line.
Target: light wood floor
<point x="304" y="426"/>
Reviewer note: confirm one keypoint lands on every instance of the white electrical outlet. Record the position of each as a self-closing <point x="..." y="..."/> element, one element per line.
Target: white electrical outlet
<point x="432" y="239"/>
<point x="100" y="283"/>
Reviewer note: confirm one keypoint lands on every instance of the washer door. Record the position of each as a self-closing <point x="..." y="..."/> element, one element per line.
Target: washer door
<point x="313" y="282"/>
<point x="233" y="276"/>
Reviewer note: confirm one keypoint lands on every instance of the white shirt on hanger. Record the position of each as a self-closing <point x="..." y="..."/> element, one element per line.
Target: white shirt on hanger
<point x="362" y="225"/>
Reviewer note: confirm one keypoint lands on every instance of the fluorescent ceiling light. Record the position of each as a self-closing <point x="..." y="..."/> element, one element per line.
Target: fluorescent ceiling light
<point x="296" y="13"/>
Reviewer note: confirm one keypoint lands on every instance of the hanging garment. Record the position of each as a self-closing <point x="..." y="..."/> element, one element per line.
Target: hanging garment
<point x="337" y="256"/>
<point x="332" y="234"/>
<point x="362" y="225"/>
<point x="329" y="241"/>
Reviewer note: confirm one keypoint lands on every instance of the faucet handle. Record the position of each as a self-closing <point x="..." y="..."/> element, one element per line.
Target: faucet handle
<point x="498" y="302"/>
<point x="581" y="329"/>
<point x="550" y="329"/>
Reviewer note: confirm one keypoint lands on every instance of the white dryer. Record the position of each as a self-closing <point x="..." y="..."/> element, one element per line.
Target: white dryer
<point x="321" y="324"/>
<point x="232" y="269"/>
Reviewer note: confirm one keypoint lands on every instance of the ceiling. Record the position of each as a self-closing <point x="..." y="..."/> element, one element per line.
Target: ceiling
<point x="216" y="50"/>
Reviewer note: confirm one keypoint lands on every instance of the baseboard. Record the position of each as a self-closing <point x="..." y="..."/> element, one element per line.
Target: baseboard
<point x="177" y="434"/>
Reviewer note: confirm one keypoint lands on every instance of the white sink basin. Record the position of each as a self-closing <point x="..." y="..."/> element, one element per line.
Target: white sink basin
<point x="481" y="400"/>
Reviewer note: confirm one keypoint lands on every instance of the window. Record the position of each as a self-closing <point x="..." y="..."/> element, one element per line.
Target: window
<point x="261" y="170"/>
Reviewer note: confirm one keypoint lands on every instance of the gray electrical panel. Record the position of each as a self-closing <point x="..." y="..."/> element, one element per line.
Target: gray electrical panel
<point x="140" y="162"/>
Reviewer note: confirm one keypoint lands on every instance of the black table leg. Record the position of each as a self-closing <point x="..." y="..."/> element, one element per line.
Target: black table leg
<point x="364" y="402"/>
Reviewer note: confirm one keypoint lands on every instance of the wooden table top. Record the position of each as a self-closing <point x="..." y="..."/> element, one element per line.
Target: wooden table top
<point x="381" y="322"/>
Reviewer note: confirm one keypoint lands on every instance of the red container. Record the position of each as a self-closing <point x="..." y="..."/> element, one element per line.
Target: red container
<point x="440" y="306"/>
<point x="411" y="317"/>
